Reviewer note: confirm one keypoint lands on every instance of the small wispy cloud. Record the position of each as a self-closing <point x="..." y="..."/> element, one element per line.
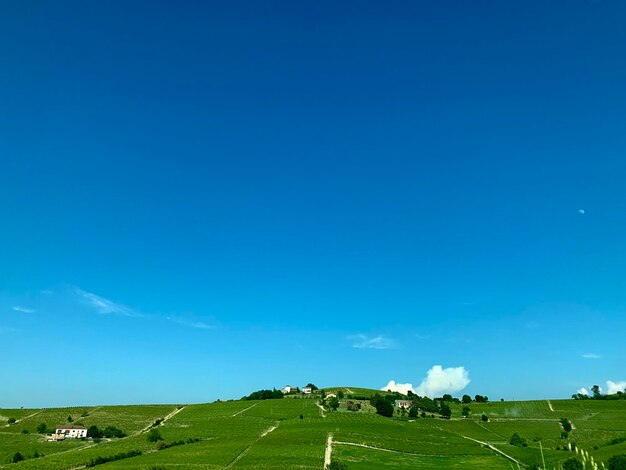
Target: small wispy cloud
<point x="591" y="356"/>
<point x="105" y="306"/>
<point x="361" y="341"/>
<point x="19" y="308"/>
<point x="190" y="323"/>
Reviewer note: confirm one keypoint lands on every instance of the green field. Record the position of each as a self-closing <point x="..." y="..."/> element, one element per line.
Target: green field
<point x="294" y="432"/>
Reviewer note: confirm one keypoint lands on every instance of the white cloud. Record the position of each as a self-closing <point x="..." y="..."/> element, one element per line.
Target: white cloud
<point x="437" y="382"/>
<point x="592" y="356"/>
<point x="394" y="387"/>
<point x="362" y="341"/>
<point x="19" y="308"/>
<point x="191" y="323"/>
<point x="581" y="211"/>
<point x="583" y="391"/>
<point x="105" y="306"/>
<point x="613" y="387"/>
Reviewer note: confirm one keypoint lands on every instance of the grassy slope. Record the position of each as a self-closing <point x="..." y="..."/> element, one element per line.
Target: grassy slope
<point x="271" y="434"/>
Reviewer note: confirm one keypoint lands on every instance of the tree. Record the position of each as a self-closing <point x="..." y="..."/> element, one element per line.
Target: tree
<point x="313" y="387"/>
<point x="484" y="417"/>
<point x="617" y="462"/>
<point x="340" y="394"/>
<point x="383" y="404"/>
<point x="17" y="457"/>
<point x="447" y="397"/>
<point x="567" y="425"/>
<point x="466" y="399"/>
<point x="94" y="432"/>
<point x="597" y="393"/>
<point x="517" y="440"/>
<point x="11" y="421"/>
<point x="572" y="464"/>
<point x="466" y="411"/>
<point x="42" y="428"/>
<point x="264" y="395"/>
<point x="154" y="435"/>
<point x="69" y="419"/>
<point x="112" y="431"/>
<point x="413" y="411"/>
<point x="445" y="411"/>
<point x="333" y="403"/>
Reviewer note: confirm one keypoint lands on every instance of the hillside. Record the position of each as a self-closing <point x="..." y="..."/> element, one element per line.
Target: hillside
<point x="295" y="432"/>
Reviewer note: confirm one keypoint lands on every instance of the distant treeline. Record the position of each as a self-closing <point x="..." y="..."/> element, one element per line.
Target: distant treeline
<point x="264" y="395"/>
<point x="596" y="394"/>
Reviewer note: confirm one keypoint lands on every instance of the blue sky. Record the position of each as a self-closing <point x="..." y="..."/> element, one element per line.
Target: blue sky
<point x="199" y="200"/>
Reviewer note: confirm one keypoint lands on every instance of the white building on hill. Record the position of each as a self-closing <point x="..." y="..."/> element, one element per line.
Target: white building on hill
<point x="72" y="431"/>
<point x="404" y="404"/>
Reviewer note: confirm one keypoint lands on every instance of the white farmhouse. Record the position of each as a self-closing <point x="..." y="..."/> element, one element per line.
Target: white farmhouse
<point x="72" y="431"/>
<point x="307" y="390"/>
<point x="406" y="404"/>
<point x="288" y="389"/>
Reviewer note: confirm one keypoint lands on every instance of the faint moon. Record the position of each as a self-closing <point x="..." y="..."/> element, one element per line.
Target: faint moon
<point x="581" y="211"/>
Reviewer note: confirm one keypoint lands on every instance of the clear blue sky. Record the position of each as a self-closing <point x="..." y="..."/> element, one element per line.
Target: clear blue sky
<point x="201" y="199"/>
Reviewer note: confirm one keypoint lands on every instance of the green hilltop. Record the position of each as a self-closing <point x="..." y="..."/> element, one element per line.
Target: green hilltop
<point x="303" y="431"/>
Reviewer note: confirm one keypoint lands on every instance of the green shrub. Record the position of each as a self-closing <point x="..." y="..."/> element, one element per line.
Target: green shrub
<point x="517" y="440"/>
<point x="154" y="435"/>
<point x="617" y="462"/>
<point x="336" y="465"/>
<point x="572" y="464"/>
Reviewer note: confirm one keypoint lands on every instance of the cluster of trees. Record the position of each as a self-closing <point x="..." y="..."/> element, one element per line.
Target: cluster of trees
<point x="518" y="441"/>
<point x="466" y="399"/>
<point x="109" y="432"/>
<point x="383" y="404"/>
<point x="123" y="455"/>
<point x="596" y="394"/>
<point x="264" y="395"/>
<point x="617" y="462"/>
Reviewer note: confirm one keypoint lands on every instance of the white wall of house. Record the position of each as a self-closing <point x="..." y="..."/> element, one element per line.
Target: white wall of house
<point x="73" y="432"/>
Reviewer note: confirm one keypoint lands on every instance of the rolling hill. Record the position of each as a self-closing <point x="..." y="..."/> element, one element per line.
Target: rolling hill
<point x="296" y="432"/>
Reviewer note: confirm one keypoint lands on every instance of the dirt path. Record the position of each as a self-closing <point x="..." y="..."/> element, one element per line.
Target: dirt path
<point x="322" y="410"/>
<point x="329" y="450"/>
<point x="247" y="449"/>
<point x="382" y="449"/>
<point x="550" y="406"/>
<point x="239" y="412"/>
<point x="496" y="450"/>
<point x="171" y="415"/>
<point x="22" y="419"/>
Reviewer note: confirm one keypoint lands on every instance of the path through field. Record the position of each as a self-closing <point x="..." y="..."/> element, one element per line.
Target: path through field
<point x="550" y="406"/>
<point x="247" y="449"/>
<point x="22" y="419"/>
<point x="171" y="415"/>
<point x="329" y="450"/>
<point x="365" y="446"/>
<point x="496" y="450"/>
<point x="321" y="410"/>
<point x="239" y="412"/>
